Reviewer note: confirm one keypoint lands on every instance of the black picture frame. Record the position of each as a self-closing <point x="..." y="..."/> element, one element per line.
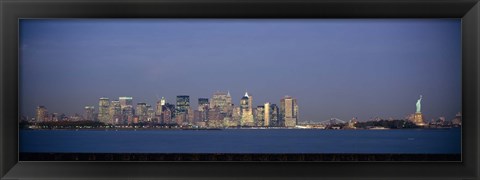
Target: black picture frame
<point x="11" y="11"/>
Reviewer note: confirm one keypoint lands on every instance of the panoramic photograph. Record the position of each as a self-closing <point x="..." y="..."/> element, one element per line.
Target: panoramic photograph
<point x="194" y="89"/>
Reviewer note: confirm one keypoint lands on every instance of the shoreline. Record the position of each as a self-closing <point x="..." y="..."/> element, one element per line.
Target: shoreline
<point x="216" y="129"/>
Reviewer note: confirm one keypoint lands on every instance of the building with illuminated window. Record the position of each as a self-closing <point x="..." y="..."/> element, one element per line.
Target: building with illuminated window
<point x="222" y="100"/>
<point x="125" y="101"/>
<point x="88" y="113"/>
<point x="203" y="104"/>
<point x="183" y="103"/>
<point x="141" y="112"/>
<point x="259" y="115"/>
<point x="289" y="111"/>
<point x="246" y="110"/>
<point x="41" y="114"/>
<point x="103" y="110"/>
<point x="115" y="112"/>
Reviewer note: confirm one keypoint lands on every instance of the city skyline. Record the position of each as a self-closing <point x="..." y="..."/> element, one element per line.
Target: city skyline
<point x="95" y="109"/>
<point x="335" y="68"/>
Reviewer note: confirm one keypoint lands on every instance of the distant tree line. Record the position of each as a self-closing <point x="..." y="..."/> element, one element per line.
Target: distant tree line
<point x="392" y="124"/>
<point x="85" y="123"/>
<point x="62" y="124"/>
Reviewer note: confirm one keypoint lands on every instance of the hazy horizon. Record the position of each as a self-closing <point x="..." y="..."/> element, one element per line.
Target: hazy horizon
<point x="341" y="68"/>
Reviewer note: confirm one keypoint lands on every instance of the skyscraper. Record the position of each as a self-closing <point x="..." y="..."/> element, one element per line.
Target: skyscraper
<point x="223" y="100"/>
<point x="183" y="103"/>
<point x="141" y="112"/>
<point x="126" y="104"/>
<point x="170" y="108"/>
<point x="158" y="109"/>
<point x="260" y="115"/>
<point x="266" y="114"/>
<point x="288" y="111"/>
<point x="125" y="101"/>
<point x="236" y="116"/>
<point x="163" y="101"/>
<point x="246" y="110"/>
<point x="115" y="112"/>
<point x="41" y="113"/>
<point x="203" y="104"/>
<point x="167" y="114"/>
<point x="274" y="116"/>
<point x="150" y="113"/>
<point x="103" y="113"/>
<point x="190" y="115"/>
<point x="215" y="118"/>
<point x="89" y="112"/>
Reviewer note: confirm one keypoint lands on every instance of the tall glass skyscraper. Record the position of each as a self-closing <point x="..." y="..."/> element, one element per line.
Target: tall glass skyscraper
<point x="203" y="104"/>
<point x="103" y="113"/>
<point x="115" y="111"/>
<point x="183" y="103"/>
<point x="125" y="101"/>
<point x="89" y="112"/>
<point x="246" y="110"/>
<point x="41" y="113"/>
<point x="289" y="111"/>
<point x="223" y="100"/>
<point x="141" y="111"/>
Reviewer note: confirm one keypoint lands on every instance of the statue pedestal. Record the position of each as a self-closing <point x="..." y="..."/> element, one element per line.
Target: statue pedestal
<point x="418" y="119"/>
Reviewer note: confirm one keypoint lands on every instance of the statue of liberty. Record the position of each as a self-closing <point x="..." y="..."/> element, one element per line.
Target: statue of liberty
<point x="419" y="105"/>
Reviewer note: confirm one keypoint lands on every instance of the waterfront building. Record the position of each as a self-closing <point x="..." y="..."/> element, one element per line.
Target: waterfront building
<point x="215" y="118"/>
<point x="103" y="110"/>
<point x="171" y="107"/>
<point x="64" y="117"/>
<point x="203" y="104"/>
<point x="41" y="114"/>
<point x="266" y="114"/>
<point x="158" y="118"/>
<point x="183" y="103"/>
<point x="180" y="118"/>
<point x="158" y="109"/>
<point x="115" y="112"/>
<point x="88" y="113"/>
<point x="74" y="117"/>
<point x="150" y="113"/>
<point x="135" y="119"/>
<point x="203" y="108"/>
<point x="190" y="115"/>
<point x="54" y="117"/>
<point x="457" y="121"/>
<point x="167" y="115"/>
<point x="160" y="106"/>
<point x="236" y="116"/>
<point x="127" y="115"/>
<point x="125" y="101"/>
<point x="260" y="115"/>
<point x="197" y="116"/>
<point x="274" y="116"/>
<point x="222" y="100"/>
<point x="163" y="101"/>
<point x="246" y="110"/>
<point x="288" y="111"/>
<point x="141" y="111"/>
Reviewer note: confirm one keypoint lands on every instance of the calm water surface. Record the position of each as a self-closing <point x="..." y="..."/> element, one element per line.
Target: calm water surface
<point x="428" y="141"/>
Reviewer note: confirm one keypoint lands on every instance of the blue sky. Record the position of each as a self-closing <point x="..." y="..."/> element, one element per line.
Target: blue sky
<point x="340" y="68"/>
